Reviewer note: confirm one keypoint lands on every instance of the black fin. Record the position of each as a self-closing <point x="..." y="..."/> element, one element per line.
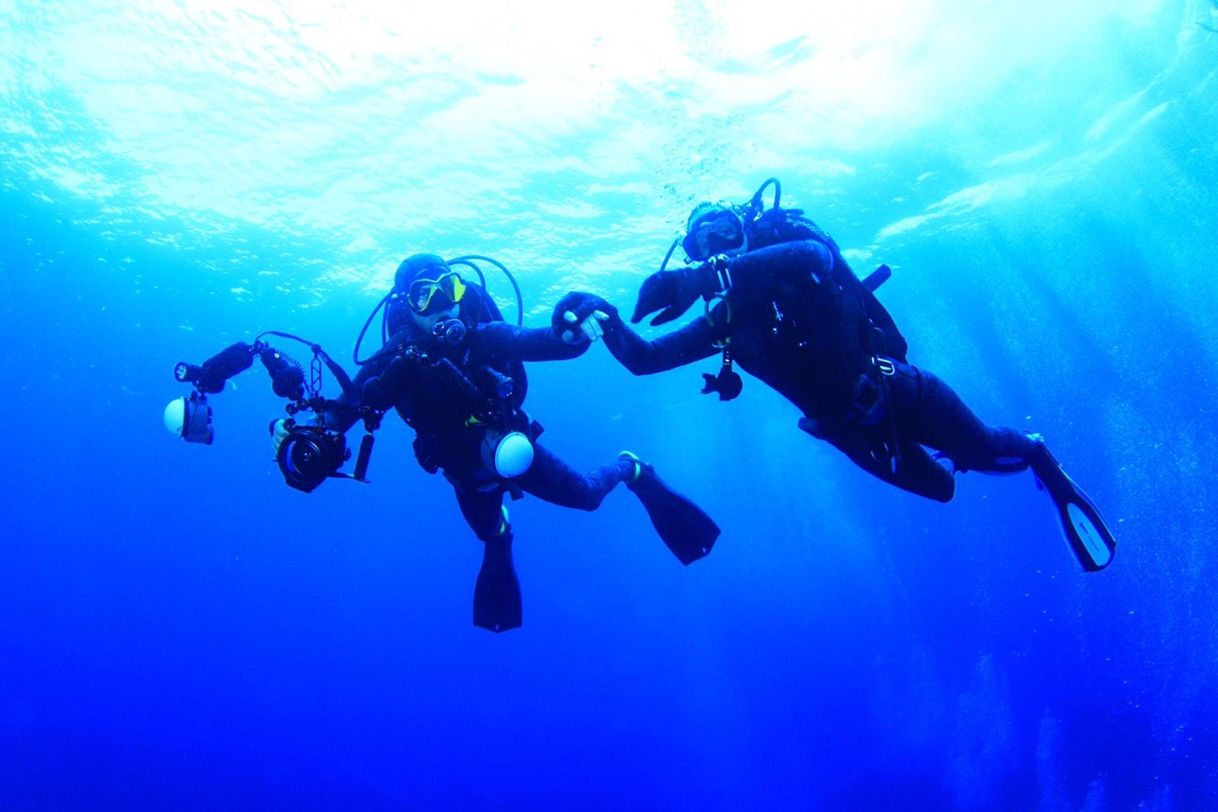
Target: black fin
<point x="497" y="605"/>
<point x="687" y="530"/>
<point x="1085" y="530"/>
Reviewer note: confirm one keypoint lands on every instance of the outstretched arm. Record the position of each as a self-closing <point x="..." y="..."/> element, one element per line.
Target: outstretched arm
<point x="692" y="342"/>
<point x="496" y="341"/>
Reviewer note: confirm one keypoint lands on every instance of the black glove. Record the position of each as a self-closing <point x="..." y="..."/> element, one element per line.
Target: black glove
<point x="672" y="292"/>
<point x="578" y="317"/>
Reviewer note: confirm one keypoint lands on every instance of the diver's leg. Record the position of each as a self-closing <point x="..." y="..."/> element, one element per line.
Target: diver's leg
<point x="930" y="412"/>
<point x="551" y="479"/>
<point x="482" y="510"/>
<point x="497" y="604"/>
<point x="683" y="526"/>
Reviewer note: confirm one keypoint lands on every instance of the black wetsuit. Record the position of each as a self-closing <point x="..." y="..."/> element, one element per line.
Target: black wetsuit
<point x="447" y="394"/>
<point x="798" y="318"/>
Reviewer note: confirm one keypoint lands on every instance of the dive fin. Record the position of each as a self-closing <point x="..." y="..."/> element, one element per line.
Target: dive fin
<point x="497" y="605"/>
<point x="1088" y="536"/>
<point x="687" y="530"/>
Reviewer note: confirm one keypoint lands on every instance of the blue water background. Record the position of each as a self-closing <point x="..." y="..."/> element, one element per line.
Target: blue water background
<point x="179" y="630"/>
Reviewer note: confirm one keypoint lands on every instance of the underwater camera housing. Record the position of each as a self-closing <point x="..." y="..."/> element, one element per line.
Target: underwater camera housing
<point x="309" y="455"/>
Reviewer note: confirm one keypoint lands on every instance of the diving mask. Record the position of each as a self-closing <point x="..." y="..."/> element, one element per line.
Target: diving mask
<point x="421" y="295"/>
<point x="715" y="230"/>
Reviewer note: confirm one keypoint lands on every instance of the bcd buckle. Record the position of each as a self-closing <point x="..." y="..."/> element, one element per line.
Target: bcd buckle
<point x="885" y="365"/>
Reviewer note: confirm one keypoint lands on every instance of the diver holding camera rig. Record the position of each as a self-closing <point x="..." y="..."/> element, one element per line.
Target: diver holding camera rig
<point x="453" y="370"/>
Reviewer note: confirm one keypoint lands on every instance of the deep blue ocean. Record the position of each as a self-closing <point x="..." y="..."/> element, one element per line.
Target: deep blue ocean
<point x="180" y="630"/>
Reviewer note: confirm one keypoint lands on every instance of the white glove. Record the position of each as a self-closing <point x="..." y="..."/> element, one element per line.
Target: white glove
<point x="590" y="327"/>
<point x="279" y="433"/>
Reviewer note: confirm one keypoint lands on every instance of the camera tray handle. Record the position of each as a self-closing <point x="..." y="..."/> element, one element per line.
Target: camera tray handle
<point x="361" y="459"/>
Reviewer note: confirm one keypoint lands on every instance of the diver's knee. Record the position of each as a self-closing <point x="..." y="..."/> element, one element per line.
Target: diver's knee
<point x="590" y="500"/>
<point x="500" y="531"/>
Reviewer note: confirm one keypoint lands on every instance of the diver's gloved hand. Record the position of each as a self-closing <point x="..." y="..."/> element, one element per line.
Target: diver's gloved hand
<point x="579" y="316"/>
<point x="279" y="433"/>
<point x="672" y="292"/>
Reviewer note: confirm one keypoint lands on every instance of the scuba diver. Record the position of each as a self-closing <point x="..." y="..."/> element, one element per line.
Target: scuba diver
<point x="782" y="302"/>
<point x="452" y="368"/>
